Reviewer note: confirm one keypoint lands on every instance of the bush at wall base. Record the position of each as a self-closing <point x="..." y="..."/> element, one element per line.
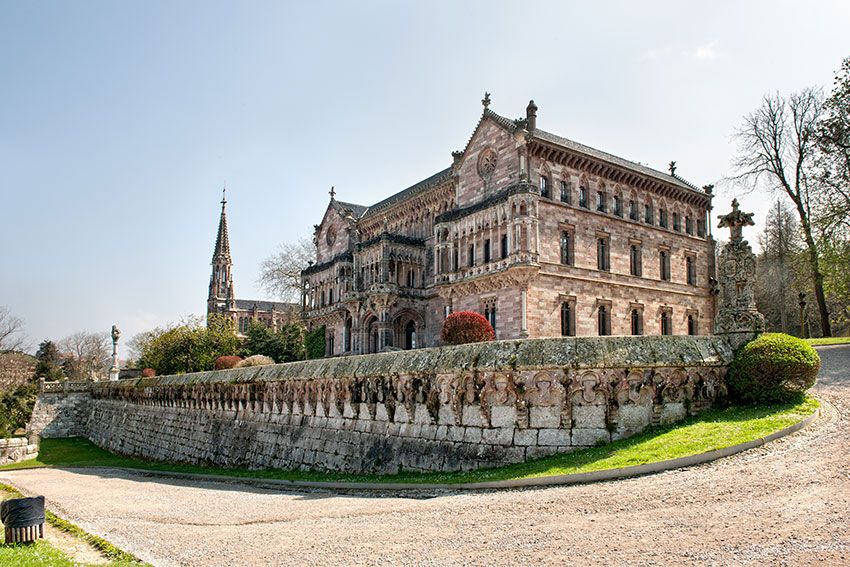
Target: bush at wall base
<point x="774" y="367"/>
<point x="466" y="327"/>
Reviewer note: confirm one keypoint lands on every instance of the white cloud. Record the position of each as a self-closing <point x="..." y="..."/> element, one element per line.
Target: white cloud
<point x="707" y="51"/>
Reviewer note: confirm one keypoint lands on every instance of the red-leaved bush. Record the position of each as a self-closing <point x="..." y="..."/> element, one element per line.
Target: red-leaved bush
<point x="225" y="362"/>
<point x="148" y="373"/>
<point x="466" y="327"/>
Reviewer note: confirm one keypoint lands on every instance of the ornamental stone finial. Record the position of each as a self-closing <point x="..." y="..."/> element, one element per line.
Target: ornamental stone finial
<point x="735" y="221"/>
<point x="672" y="167"/>
<point x="485" y="102"/>
<point x="737" y="315"/>
<point x="332" y="193"/>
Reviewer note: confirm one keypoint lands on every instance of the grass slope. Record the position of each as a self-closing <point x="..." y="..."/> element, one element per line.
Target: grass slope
<point x="711" y="430"/>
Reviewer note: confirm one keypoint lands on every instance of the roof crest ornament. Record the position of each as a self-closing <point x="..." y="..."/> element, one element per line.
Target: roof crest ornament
<point x="486" y="100"/>
<point x="332" y="193"/>
<point x="672" y="168"/>
<point x="224" y="195"/>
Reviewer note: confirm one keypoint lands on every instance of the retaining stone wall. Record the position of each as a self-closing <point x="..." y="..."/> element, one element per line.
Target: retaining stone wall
<point x="58" y="414"/>
<point x="445" y="409"/>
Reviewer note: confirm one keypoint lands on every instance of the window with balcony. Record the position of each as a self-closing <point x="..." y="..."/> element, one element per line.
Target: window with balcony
<point x="471" y="255"/>
<point x="504" y="246"/>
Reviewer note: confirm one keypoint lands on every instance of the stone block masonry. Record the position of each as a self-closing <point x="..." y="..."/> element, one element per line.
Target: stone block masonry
<point x="440" y="409"/>
<point x="17" y="449"/>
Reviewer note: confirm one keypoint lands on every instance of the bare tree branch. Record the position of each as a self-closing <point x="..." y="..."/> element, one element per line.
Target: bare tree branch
<point x="280" y="273"/>
<point x="11" y="332"/>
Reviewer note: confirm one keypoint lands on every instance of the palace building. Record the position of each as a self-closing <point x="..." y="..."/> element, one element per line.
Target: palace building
<point x="222" y="297"/>
<point x="542" y="235"/>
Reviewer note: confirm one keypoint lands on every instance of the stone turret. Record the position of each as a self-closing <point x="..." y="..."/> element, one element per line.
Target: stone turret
<point x="221" y="293"/>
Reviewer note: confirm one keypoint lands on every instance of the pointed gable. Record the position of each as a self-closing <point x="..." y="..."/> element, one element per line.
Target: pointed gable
<point x="333" y="234"/>
<point x="490" y="160"/>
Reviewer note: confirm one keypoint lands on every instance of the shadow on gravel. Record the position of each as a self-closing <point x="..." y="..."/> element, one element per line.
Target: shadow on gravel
<point x="834" y="366"/>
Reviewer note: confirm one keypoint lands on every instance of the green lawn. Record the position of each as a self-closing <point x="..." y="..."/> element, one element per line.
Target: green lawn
<point x="43" y="554"/>
<point x="828" y="341"/>
<point x="711" y="430"/>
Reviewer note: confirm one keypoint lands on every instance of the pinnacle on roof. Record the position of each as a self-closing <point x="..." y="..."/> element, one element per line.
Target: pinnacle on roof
<point x="222" y="242"/>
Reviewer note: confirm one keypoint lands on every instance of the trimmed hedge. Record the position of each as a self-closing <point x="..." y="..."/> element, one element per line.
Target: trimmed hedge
<point x="466" y="327"/>
<point x="774" y="367"/>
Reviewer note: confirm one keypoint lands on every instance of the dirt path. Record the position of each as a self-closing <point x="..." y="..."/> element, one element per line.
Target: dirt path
<point x="787" y="504"/>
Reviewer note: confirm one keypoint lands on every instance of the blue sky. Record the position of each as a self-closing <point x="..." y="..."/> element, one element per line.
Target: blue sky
<point x="119" y="121"/>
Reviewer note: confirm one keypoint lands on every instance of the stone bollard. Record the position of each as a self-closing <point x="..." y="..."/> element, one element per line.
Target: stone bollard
<point x="23" y="519"/>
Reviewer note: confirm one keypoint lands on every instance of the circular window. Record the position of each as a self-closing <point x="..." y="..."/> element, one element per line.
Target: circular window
<point x="330" y="237"/>
<point x="487" y="162"/>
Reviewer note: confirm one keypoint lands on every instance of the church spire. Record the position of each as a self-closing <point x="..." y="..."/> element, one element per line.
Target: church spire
<point x="222" y="242"/>
<point x="221" y="293"/>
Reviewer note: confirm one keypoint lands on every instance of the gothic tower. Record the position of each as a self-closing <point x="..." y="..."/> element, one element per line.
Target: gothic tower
<point x="221" y="296"/>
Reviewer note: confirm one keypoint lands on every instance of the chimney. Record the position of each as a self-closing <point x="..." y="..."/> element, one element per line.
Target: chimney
<point x="531" y="115"/>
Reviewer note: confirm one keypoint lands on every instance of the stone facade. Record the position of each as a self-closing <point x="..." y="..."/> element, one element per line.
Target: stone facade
<point x="222" y="300"/>
<point x="16" y="369"/>
<point x="17" y="449"/>
<point x="446" y="409"/>
<point x="544" y="236"/>
<point x="61" y="410"/>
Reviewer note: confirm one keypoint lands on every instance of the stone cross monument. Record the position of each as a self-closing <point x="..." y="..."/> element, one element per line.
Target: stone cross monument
<point x="113" y="372"/>
<point x="737" y="316"/>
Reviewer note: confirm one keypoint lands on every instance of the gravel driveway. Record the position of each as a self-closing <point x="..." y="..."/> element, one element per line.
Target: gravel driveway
<point x="785" y="504"/>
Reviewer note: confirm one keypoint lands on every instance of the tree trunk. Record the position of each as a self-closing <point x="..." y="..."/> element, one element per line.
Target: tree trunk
<point x="817" y="278"/>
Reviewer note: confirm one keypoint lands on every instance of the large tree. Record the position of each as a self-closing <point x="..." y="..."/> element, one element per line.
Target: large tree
<point x="187" y="347"/>
<point x="280" y="273"/>
<point x="11" y="331"/>
<point x="777" y="145"/>
<point x="833" y="208"/>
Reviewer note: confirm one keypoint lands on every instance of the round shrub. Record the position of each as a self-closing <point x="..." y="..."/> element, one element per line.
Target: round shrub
<point x="773" y="368"/>
<point x="255" y="360"/>
<point x="148" y="373"/>
<point x="466" y="327"/>
<point x="227" y="361"/>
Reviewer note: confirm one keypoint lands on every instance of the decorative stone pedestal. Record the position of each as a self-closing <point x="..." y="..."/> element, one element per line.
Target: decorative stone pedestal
<point x="737" y="317"/>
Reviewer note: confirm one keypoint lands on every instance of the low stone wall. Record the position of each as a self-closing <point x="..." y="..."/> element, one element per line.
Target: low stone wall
<point x="17" y="449"/>
<point x="445" y="409"/>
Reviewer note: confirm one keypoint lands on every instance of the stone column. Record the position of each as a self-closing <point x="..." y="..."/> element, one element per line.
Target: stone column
<point x="737" y="317"/>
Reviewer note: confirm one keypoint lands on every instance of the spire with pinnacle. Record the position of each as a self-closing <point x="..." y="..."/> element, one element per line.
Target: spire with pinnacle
<point x="221" y="280"/>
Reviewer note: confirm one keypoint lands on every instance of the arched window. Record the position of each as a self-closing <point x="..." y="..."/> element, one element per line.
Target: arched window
<point x="567" y="248"/>
<point x="689" y="225"/>
<point x="410" y="335"/>
<point x="637" y="322"/>
<point x="618" y="205"/>
<point x="662" y="217"/>
<point x="604" y="321"/>
<point x="567" y="320"/>
<point x="633" y="210"/>
<point x="647" y="213"/>
<point x="544" y="186"/>
<point x="582" y="196"/>
<point x="566" y="193"/>
<point x="635" y="260"/>
<point x="666" y="323"/>
<point x="691" y="270"/>
<point x="677" y="226"/>
<point x="504" y="246"/>
<point x="664" y="265"/>
<point x="692" y="324"/>
<point x="603" y="261"/>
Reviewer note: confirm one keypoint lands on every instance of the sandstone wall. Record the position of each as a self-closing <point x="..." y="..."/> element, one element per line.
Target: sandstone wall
<point x="453" y="408"/>
<point x="17" y="449"/>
